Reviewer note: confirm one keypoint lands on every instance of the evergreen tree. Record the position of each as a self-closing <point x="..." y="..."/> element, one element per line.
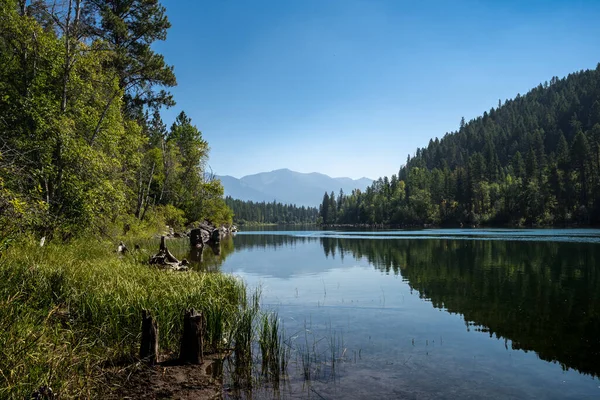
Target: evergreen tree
<point x="534" y="159"/>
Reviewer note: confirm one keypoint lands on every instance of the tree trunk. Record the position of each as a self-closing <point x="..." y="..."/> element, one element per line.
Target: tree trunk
<point x="149" y="345"/>
<point x="99" y="124"/>
<point x="143" y="193"/>
<point x="191" y="350"/>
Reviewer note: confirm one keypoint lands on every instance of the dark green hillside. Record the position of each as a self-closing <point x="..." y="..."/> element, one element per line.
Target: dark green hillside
<point x="249" y="212"/>
<point x="532" y="160"/>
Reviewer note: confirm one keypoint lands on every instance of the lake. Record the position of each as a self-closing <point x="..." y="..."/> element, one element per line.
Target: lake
<point x="438" y="314"/>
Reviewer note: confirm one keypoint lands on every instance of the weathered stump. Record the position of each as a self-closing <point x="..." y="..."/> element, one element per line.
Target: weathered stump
<point x="149" y="345"/>
<point x="192" y="350"/>
<point x="215" y="236"/>
<point x="165" y="259"/>
<point x="196" y="238"/>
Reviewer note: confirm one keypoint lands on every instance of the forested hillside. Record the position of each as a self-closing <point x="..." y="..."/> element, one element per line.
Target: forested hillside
<point x="249" y="212"/>
<point x="534" y="160"/>
<point x="82" y="144"/>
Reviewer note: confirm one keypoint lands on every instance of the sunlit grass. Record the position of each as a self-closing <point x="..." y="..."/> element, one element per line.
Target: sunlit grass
<point x="67" y="310"/>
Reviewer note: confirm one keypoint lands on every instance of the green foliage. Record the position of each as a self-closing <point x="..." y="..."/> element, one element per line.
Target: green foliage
<point x="77" y="153"/>
<point x="534" y="160"/>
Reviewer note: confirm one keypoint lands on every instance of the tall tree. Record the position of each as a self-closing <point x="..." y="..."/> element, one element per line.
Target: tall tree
<point x="128" y="28"/>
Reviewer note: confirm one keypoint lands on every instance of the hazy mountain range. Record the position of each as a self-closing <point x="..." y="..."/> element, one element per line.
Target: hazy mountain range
<point x="291" y="187"/>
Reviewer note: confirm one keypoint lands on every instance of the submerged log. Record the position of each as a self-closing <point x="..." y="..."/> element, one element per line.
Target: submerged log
<point x="149" y="344"/>
<point x="191" y="350"/>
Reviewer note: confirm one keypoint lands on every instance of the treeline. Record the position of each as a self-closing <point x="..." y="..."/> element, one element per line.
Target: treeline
<point x="534" y="160"/>
<point x="82" y="144"/>
<point x="249" y="212"/>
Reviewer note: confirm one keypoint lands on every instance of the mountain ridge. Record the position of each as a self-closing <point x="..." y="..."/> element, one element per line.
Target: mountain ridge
<point x="287" y="186"/>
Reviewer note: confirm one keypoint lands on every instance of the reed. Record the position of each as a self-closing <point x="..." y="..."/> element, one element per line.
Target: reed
<point x="275" y="351"/>
<point x="319" y="356"/>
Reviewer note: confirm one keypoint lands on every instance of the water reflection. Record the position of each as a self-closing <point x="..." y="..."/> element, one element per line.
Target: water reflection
<point x="542" y="296"/>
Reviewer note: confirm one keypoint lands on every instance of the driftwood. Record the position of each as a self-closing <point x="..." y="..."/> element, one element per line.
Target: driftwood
<point x="149" y="345"/>
<point x="165" y="259"/>
<point x="191" y="350"/>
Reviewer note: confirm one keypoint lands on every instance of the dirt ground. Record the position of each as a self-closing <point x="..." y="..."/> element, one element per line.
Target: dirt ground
<point x="166" y="380"/>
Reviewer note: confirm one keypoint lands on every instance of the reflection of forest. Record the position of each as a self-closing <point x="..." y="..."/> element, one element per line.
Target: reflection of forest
<point x="269" y="241"/>
<point x="543" y="296"/>
<point x="211" y="261"/>
<point x="210" y="258"/>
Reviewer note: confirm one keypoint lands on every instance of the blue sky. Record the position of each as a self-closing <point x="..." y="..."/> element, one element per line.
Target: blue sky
<point x="351" y="87"/>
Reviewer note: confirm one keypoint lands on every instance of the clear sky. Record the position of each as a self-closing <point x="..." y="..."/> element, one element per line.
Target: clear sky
<point x="351" y="87"/>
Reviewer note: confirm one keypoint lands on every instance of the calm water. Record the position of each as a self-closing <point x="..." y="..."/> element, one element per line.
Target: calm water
<point x="432" y="313"/>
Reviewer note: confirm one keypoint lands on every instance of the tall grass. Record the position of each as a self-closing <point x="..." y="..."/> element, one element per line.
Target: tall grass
<point x="68" y="310"/>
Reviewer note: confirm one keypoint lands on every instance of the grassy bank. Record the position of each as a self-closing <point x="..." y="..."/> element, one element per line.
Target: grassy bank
<point x="69" y="311"/>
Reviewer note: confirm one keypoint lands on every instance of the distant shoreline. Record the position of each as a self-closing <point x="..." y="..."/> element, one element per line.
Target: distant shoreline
<point x="455" y="226"/>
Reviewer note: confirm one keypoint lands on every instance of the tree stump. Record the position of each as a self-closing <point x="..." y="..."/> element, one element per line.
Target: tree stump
<point x="215" y="236"/>
<point x="196" y="238"/>
<point x="149" y="345"/>
<point x="192" y="350"/>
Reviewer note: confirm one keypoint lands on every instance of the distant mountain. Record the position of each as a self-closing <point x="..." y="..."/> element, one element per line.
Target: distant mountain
<point x="291" y="187"/>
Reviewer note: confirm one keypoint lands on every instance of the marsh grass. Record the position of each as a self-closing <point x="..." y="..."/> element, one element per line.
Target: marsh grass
<point x="319" y="356"/>
<point x="275" y="350"/>
<point x="68" y="311"/>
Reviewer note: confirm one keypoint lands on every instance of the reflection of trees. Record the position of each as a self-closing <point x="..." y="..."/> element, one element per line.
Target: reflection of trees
<point x="211" y="259"/>
<point x="269" y="241"/>
<point x="543" y="296"/>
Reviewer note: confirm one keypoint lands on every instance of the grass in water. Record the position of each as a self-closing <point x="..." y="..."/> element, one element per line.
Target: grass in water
<point x="274" y="350"/>
<point x="68" y="310"/>
<point x="318" y="357"/>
